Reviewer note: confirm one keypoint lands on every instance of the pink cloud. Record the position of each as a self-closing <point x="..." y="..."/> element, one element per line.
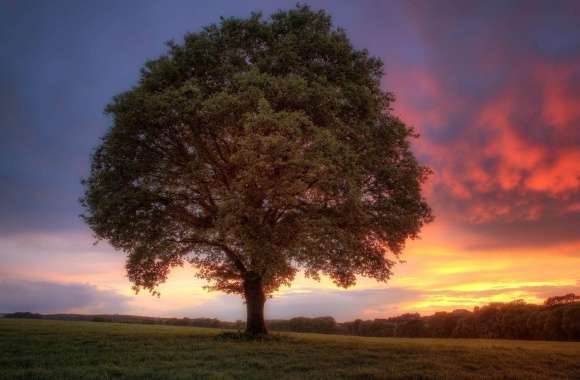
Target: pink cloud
<point x="516" y="149"/>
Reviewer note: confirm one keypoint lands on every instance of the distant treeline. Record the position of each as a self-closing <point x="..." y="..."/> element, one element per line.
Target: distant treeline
<point x="557" y="319"/>
<point x="119" y="318"/>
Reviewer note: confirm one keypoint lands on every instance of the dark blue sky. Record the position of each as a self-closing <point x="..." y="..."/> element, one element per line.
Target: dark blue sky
<point x="63" y="61"/>
<point x="493" y="87"/>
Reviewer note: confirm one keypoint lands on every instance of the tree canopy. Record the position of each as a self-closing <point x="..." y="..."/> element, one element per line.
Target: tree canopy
<point x="253" y="149"/>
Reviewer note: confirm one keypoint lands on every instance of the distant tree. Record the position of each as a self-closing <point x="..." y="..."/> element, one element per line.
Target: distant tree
<point x="102" y="318"/>
<point x="254" y="149"/>
<point x="442" y="324"/>
<point x="466" y="327"/>
<point x="383" y="327"/>
<point x="487" y="320"/>
<point x="553" y="325"/>
<point x="23" y="315"/>
<point x="409" y="325"/>
<point x="302" y="324"/>
<point x="571" y="322"/>
<point x="355" y="327"/>
<point x="514" y="321"/>
<point x="562" y="300"/>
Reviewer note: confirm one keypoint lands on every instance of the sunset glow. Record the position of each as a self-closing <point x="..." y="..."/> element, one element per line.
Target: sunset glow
<point x="497" y="108"/>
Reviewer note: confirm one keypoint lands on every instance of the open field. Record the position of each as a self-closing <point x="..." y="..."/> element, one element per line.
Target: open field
<point x="39" y="349"/>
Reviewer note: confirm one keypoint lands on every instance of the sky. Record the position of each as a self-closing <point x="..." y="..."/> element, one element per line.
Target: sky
<point x="493" y="88"/>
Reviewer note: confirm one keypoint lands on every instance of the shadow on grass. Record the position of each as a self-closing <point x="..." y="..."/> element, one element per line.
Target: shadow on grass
<point x="239" y="336"/>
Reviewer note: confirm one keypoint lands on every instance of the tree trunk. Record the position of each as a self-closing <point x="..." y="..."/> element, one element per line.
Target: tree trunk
<point x="255" y="299"/>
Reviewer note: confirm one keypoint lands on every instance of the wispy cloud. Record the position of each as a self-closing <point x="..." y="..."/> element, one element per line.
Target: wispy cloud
<point x="51" y="297"/>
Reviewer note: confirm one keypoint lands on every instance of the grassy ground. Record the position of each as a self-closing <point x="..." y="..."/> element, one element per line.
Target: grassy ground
<point x="32" y="349"/>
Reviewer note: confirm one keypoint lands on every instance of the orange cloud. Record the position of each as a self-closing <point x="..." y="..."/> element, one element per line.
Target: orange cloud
<point x="559" y="177"/>
<point x="507" y="160"/>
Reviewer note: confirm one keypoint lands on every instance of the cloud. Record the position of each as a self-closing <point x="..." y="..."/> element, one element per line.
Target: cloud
<point x="479" y="294"/>
<point x="496" y="100"/>
<point x="341" y="304"/>
<point x="504" y="161"/>
<point x="65" y="257"/>
<point x="51" y="297"/>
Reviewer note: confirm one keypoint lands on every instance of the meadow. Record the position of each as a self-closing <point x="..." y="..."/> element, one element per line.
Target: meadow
<point x="41" y="349"/>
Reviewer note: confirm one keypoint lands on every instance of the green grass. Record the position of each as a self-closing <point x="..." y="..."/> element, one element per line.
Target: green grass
<point x="38" y="349"/>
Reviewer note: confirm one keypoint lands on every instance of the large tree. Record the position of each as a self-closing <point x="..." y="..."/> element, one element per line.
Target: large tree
<point x="254" y="149"/>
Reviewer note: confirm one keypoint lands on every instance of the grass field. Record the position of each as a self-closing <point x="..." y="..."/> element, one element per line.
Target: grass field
<point x="38" y="349"/>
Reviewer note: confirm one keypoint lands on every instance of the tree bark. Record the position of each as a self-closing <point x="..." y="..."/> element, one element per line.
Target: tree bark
<point x="255" y="300"/>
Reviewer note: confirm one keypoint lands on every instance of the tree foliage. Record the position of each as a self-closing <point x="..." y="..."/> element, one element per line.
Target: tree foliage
<point x="257" y="147"/>
<point x="562" y="300"/>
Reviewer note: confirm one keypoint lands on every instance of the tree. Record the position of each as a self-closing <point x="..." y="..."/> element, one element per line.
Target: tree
<point x="571" y="321"/>
<point x="442" y="324"/>
<point x="566" y="299"/>
<point x="254" y="149"/>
